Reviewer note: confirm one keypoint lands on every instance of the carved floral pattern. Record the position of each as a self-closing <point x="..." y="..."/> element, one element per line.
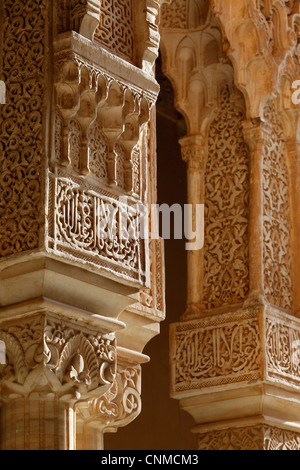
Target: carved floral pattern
<point x="24" y="70"/>
<point x="80" y="359"/>
<point x="75" y="136"/>
<point x="122" y="401"/>
<point x="226" y="279"/>
<point x="277" y="224"/>
<point x="98" y="152"/>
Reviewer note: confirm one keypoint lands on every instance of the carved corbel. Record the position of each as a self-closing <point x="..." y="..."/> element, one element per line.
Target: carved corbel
<point x="120" y="405"/>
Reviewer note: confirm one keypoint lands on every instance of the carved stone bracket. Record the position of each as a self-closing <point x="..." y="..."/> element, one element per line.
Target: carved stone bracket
<point x="116" y="408"/>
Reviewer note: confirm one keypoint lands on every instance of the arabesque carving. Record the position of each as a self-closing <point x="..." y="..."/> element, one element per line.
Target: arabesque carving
<point x="226" y="265"/>
<point x="116" y="28"/>
<point x="24" y="69"/>
<point x="277" y="222"/>
<point x="75" y="185"/>
<point x="215" y="351"/>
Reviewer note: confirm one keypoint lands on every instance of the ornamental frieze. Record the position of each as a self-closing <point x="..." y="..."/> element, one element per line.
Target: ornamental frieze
<point x="103" y="231"/>
<point x="215" y="350"/>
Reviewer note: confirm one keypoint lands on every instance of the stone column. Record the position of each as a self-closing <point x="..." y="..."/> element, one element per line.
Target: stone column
<point x="78" y="285"/>
<point x="193" y="153"/>
<point x="256" y="134"/>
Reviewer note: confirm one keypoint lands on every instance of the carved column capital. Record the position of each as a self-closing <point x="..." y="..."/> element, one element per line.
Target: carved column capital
<point x="193" y="150"/>
<point x="48" y="355"/>
<point x="256" y="132"/>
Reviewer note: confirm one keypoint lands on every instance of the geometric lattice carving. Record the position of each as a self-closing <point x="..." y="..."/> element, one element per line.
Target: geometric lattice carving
<point x="184" y="15"/>
<point x="226" y="278"/>
<point x="116" y="29"/>
<point x="277" y="224"/>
